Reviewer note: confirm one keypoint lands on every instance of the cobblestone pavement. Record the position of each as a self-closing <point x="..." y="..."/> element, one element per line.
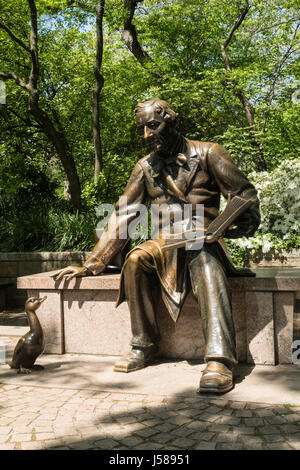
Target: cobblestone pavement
<point x="33" y="417"/>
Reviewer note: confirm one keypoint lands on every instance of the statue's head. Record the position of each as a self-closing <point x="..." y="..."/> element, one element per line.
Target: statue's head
<point x="155" y="121"/>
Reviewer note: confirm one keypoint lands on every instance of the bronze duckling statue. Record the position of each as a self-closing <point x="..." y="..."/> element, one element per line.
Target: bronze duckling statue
<point x="32" y="344"/>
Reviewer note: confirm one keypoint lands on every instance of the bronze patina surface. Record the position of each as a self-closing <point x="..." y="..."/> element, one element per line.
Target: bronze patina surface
<point x="32" y="344"/>
<point x="177" y="171"/>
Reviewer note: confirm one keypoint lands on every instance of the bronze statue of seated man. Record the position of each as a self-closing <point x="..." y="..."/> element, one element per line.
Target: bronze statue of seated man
<point x="177" y="171"/>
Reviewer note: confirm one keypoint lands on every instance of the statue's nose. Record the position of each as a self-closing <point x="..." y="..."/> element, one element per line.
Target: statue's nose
<point x="147" y="132"/>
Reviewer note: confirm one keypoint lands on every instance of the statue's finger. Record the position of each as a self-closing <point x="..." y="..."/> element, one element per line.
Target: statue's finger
<point x="55" y="274"/>
<point x="63" y="273"/>
<point x="71" y="276"/>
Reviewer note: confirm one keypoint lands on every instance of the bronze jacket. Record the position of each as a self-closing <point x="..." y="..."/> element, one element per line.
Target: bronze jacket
<point x="208" y="172"/>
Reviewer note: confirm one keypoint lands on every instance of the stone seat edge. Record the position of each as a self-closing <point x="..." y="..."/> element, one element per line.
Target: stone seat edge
<point x="43" y="281"/>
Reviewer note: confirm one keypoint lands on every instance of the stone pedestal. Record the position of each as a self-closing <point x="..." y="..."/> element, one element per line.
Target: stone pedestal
<point x="79" y="316"/>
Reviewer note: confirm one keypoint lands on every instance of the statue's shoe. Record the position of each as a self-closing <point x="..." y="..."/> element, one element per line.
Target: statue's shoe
<point x="216" y="378"/>
<point x="136" y="359"/>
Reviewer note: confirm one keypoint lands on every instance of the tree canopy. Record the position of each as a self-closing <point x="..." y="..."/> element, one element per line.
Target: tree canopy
<point x="74" y="71"/>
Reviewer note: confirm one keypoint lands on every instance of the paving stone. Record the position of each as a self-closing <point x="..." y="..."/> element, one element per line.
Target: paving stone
<point x="184" y="443"/>
<point x="230" y="446"/>
<point x="254" y="422"/>
<point x="149" y="446"/>
<point x="237" y="405"/>
<point x="44" y="436"/>
<point x="293" y="438"/>
<point x="84" y="445"/>
<point x="182" y="432"/>
<point x="4" y="420"/>
<point x="4" y="438"/>
<point x="165" y="427"/>
<point x="229" y="437"/>
<point x="198" y="426"/>
<point x="244" y="430"/>
<point x="132" y="441"/>
<point x="146" y="432"/>
<point x="32" y="445"/>
<point x="205" y="446"/>
<point x="106" y="444"/>
<point x="282" y="410"/>
<point x="251" y="441"/>
<point x="59" y="448"/>
<point x="49" y="418"/>
<point x="203" y="436"/>
<point x="150" y="422"/>
<point x="292" y="418"/>
<point x="218" y="428"/>
<point x="162" y="437"/>
<point x="20" y="438"/>
<point x="256" y="406"/>
<point x="274" y="438"/>
<point x="209" y="417"/>
<point x="4" y="430"/>
<point x="179" y="420"/>
<point x="289" y="428"/>
<point x="295" y="445"/>
<point x="190" y="413"/>
<point x="257" y="446"/>
<point x="88" y="431"/>
<point x="264" y="413"/>
<point x="278" y="446"/>
<point x="214" y="410"/>
<point x="243" y="414"/>
<point x="7" y="446"/>
<point x="220" y="402"/>
<point x="268" y="429"/>
<point x="276" y="419"/>
<point x="227" y="412"/>
<point x="229" y="420"/>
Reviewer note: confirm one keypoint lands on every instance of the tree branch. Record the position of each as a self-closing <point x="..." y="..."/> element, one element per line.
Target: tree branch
<point x="16" y="78"/>
<point x="13" y="37"/>
<point x="129" y="36"/>
<point x="25" y="121"/>
<point x="286" y="55"/>
<point x="34" y="73"/>
<point x="237" y="23"/>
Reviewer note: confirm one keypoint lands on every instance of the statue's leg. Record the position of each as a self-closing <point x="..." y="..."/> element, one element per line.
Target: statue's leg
<point x="140" y="285"/>
<point x="211" y="289"/>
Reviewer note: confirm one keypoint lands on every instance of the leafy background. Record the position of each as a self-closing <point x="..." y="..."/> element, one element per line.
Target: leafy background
<point x="182" y="39"/>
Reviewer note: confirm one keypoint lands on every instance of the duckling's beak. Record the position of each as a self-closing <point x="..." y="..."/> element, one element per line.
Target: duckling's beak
<point x="42" y="300"/>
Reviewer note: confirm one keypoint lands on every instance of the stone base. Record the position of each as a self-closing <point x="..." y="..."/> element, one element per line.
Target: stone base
<point x="80" y="317"/>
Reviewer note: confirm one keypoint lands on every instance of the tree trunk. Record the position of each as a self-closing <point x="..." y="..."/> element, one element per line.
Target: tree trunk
<point x="59" y="141"/>
<point x="257" y="146"/>
<point x="97" y="91"/>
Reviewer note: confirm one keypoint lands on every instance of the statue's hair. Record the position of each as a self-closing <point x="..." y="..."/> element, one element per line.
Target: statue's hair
<point x="161" y="107"/>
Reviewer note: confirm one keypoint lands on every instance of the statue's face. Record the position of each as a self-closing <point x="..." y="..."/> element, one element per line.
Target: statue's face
<point x="154" y="129"/>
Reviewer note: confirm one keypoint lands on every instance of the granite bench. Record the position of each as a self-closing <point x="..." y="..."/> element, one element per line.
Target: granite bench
<point x="80" y="317"/>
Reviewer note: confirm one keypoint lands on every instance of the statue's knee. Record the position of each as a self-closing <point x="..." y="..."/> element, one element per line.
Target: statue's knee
<point x="136" y="258"/>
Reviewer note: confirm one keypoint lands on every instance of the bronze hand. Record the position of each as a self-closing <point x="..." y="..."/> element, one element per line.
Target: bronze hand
<point x="71" y="271"/>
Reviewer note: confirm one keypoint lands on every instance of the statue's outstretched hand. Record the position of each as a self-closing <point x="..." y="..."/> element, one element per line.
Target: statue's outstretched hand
<point x="69" y="272"/>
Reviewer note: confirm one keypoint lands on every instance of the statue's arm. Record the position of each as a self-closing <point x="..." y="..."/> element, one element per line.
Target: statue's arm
<point x="114" y="237"/>
<point x="231" y="182"/>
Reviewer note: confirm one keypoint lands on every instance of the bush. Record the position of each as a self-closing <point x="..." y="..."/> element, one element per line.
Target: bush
<point x="279" y="196"/>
